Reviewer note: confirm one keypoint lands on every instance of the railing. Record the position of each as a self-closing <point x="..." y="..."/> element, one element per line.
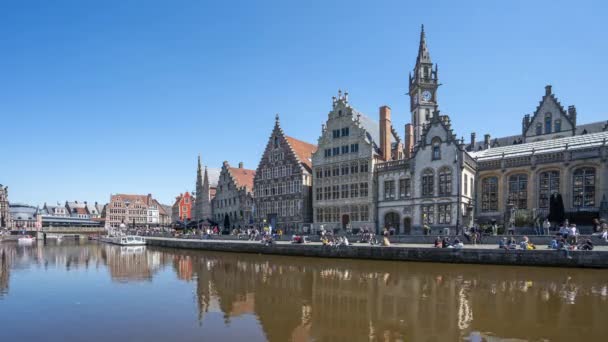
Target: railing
<point x="393" y="164"/>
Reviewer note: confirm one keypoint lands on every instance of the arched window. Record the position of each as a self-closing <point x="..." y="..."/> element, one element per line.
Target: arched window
<point x="489" y="194"/>
<point x="518" y="191"/>
<point x="548" y="123"/>
<point x="445" y="181"/>
<point x="276" y="142"/>
<point x="436" y="142"/>
<point x="428" y="183"/>
<point x="558" y="126"/>
<point x="547" y="185"/>
<point x="583" y="188"/>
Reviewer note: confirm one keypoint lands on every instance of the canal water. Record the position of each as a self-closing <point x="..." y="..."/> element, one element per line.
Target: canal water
<point x="85" y="291"/>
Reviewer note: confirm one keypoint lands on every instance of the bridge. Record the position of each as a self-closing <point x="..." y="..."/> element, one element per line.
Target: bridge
<point x="73" y="232"/>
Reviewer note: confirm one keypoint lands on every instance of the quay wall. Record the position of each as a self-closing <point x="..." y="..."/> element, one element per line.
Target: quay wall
<point x="587" y="259"/>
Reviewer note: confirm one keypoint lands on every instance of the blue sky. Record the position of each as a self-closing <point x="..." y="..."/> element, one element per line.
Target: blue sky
<point x="99" y="97"/>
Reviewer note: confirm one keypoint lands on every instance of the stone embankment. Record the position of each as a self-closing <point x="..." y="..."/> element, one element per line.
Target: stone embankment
<point x="485" y="254"/>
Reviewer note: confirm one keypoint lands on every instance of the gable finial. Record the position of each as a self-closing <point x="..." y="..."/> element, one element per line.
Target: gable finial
<point x="276" y="118"/>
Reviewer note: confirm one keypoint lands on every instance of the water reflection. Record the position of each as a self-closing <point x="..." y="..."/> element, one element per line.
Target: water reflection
<point x="306" y="299"/>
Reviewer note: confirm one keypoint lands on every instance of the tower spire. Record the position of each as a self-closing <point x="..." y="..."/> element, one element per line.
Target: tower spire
<point x="423" y="52"/>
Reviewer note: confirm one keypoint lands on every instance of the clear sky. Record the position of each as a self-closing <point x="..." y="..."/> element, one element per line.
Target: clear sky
<point x="100" y="97"/>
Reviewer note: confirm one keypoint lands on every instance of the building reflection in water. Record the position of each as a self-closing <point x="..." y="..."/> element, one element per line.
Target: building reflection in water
<point x="307" y="299"/>
<point x="339" y="300"/>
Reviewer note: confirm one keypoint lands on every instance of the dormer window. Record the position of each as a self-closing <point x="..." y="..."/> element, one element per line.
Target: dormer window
<point x="276" y="142"/>
<point x="539" y="129"/>
<point x="558" y="126"/>
<point x="548" y="123"/>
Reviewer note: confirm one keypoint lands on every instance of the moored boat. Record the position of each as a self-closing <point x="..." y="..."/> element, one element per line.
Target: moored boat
<point x="125" y="240"/>
<point x="26" y="239"/>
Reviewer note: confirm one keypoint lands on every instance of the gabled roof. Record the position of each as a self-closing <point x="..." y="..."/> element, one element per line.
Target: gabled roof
<point x="133" y="198"/>
<point x="549" y="96"/>
<point x="302" y="149"/>
<point x="242" y="177"/>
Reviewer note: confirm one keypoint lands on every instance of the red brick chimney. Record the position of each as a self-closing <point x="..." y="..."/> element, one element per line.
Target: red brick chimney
<point x="409" y="141"/>
<point x="385" y="132"/>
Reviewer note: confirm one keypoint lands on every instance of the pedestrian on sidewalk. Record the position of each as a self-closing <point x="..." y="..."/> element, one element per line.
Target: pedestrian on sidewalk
<point x="546" y="226"/>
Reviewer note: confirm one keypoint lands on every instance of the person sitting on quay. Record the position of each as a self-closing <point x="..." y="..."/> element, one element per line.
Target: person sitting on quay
<point x="554" y="244"/>
<point x="573" y="234"/>
<point x="458" y="244"/>
<point x="605" y="231"/>
<point x="564" y="246"/>
<point x="586" y="246"/>
<point x="563" y="231"/>
<point x="445" y="243"/>
<point x="502" y="243"/>
<point x="438" y="242"/>
<point x="385" y="241"/>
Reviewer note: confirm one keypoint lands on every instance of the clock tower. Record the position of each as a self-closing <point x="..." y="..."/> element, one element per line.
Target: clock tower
<point x="423" y="89"/>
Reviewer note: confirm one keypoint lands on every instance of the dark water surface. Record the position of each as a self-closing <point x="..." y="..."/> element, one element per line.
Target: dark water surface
<point x="96" y="292"/>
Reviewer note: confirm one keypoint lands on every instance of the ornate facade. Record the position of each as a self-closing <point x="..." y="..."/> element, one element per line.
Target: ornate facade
<point x="283" y="181"/>
<point x="5" y="217"/>
<point x="233" y="202"/>
<point x="350" y="145"/>
<point x="447" y="183"/>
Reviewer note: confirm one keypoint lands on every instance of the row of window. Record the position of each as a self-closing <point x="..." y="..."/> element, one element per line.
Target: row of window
<point x="550" y="125"/>
<point x="404" y="189"/>
<point x="289" y="187"/>
<point x="344" y="132"/>
<point x="444" y="182"/>
<point x="344" y="149"/>
<point x="354" y="190"/>
<point x="226" y="202"/>
<point x="276" y="172"/>
<point x="346" y="214"/>
<point x="342" y="170"/>
<point x="287" y="208"/>
<point x="443" y="215"/>
<point x="583" y="190"/>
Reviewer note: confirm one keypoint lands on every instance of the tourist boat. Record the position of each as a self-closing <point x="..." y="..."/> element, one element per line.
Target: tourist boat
<point x="26" y="239"/>
<point x="125" y="240"/>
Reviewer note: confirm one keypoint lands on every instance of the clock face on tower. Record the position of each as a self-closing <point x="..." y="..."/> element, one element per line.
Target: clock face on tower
<point x="426" y="95"/>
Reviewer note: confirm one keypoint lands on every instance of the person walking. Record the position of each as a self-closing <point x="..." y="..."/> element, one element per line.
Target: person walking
<point x="546" y="226"/>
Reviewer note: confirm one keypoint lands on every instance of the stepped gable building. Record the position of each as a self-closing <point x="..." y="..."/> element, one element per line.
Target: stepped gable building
<point x="233" y="202"/>
<point x="350" y="145"/>
<point x="204" y="195"/>
<point x="283" y="181"/>
<point x="5" y="218"/>
<point x="130" y="210"/>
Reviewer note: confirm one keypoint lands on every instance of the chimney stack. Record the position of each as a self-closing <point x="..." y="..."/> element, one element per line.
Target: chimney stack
<point x="486" y="141"/>
<point x="240" y="165"/>
<point x="473" y="135"/>
<point x="409" y="141"/>
<point x="572" y="114"/>
<point x="385" y="132"/>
